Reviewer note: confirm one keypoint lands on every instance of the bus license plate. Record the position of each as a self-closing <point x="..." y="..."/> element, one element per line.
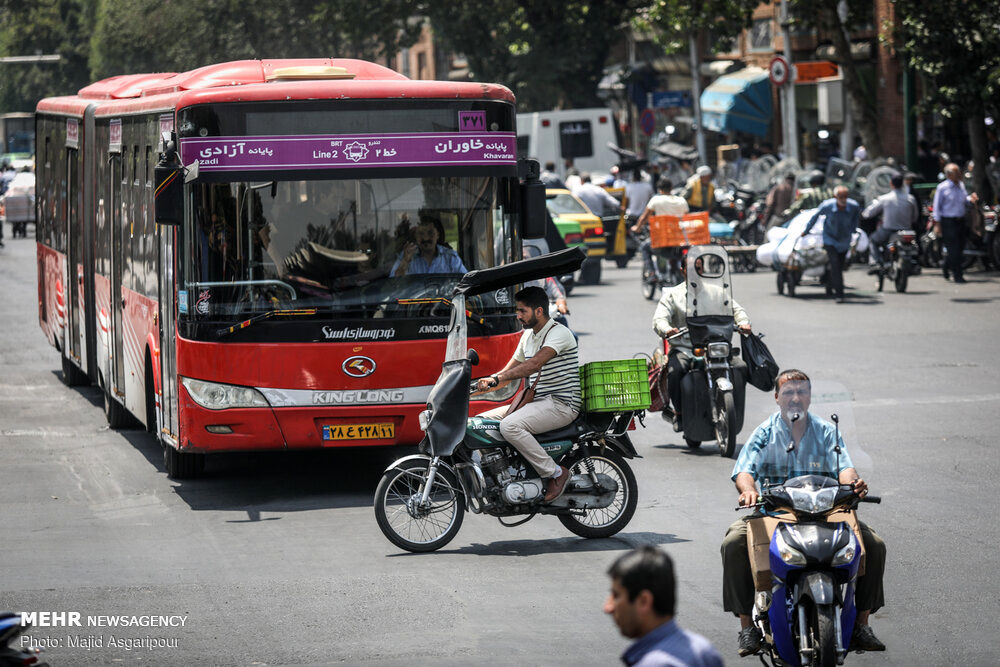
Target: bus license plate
<point x="359" y="432"/>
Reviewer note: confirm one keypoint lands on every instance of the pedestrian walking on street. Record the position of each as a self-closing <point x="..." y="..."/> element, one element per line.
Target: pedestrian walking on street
<point x="642" y="603"/>
<point x="841" y="217"/>
<point x="778" y="199"/>
<point x="951" y="203"/>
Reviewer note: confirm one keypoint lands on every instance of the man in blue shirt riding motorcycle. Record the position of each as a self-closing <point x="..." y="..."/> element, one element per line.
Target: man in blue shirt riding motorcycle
<point x="766" y="460"/>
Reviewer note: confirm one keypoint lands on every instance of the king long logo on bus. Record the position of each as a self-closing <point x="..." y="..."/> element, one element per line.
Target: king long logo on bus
<point x="358" y="367"/>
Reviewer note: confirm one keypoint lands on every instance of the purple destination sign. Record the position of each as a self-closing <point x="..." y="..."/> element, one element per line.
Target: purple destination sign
<point x="350" y="151"/>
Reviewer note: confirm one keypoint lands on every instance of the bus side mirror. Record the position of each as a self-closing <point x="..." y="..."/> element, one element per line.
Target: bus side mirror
<point x="532" y="201"/>
<point x="168" y="195"/>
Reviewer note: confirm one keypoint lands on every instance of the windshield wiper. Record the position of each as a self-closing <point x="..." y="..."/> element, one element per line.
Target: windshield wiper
<point x="225" y="331"/>
<point x="440" y="299"/>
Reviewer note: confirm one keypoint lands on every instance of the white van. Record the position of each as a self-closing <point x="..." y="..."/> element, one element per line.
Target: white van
<point x="578" y="134"/>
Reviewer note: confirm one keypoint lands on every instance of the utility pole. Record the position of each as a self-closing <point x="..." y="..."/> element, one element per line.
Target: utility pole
<point x="791" y="124"/>
<point x="696" y="101"/>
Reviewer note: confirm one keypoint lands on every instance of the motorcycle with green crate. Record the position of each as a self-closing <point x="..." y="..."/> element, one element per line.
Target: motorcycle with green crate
<point x="465" y="465"/>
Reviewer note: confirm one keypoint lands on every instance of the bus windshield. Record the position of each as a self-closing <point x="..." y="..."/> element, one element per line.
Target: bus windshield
<point x="363" y="248"/>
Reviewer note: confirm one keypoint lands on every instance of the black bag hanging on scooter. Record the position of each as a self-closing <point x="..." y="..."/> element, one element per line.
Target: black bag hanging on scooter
<point x="761" y="366"/>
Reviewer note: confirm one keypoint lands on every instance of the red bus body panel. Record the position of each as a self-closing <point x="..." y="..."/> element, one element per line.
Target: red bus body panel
<point x="315" y="367"/>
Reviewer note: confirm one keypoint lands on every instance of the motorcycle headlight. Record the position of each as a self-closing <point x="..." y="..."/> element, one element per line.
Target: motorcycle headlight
<point x="218" y="396"/>
<point x="789" y="554"/>
<point x="810" y="500"/>
<point x="424" y="419"/>
<point x="846" y="555"/>
<point x="718" y="350"/>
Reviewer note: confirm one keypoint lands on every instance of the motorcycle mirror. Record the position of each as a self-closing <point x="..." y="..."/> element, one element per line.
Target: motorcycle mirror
<point x="473" y="357"/>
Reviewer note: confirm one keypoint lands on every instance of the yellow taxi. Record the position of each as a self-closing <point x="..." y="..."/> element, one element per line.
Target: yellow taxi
<point x="562" y="204"/>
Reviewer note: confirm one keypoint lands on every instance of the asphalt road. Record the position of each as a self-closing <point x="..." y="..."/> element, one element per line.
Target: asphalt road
<point x="277" y="559"/>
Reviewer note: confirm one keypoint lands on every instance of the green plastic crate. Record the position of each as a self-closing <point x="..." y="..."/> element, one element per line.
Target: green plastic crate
<point x="615" y="386"/>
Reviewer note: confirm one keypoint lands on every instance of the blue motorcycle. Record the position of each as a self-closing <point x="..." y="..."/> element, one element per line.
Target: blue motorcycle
<point x="807" y="612"/>
<point x="807" y="617"/>
<point x="11" y="628"/>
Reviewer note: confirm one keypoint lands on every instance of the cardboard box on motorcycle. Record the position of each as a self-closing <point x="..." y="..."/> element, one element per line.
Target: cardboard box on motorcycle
<point x="760" y="530"/>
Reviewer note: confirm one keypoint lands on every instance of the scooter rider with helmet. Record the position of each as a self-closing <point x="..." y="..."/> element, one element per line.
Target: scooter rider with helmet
<point x="668" y="319"/>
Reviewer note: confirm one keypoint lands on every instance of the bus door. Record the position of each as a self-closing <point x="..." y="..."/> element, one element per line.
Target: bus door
<point x="168" y="348"/>
<point x="119" y="239"/>
<point x="74" y="256"/>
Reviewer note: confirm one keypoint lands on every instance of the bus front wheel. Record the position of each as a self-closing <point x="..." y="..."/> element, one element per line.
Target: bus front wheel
<point x="181" y="465"/>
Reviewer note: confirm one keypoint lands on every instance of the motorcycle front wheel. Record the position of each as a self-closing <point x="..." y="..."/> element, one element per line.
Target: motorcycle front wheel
<point x="606" y="521"/>
<point x="405" y="521"/>
<point x="824" y="630"/>
<point x="725" y="425"/>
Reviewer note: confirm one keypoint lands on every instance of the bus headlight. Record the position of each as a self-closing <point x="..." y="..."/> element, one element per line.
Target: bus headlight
<point x="218" y="396"/>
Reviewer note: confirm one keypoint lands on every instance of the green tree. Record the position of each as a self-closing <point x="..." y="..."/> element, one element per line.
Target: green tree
<point x="551" y="54"/>
<point x="178" y="35"/>
<point x="675" y="20"/>
<point x="955" y="45"/>
<point x="43" y="27"/>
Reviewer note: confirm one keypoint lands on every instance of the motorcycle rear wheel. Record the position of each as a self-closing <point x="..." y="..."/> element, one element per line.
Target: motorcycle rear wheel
<point x="648" y="287"/>
<point x="403" y="522"/>
<point x="902" y="275"/>
<point x="609" y="520"/>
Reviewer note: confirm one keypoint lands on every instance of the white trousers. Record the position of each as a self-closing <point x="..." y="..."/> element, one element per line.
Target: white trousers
<point x="543" y="414"/>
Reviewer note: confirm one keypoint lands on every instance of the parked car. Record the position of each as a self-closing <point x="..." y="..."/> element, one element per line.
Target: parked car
<point x="565" y="207"/>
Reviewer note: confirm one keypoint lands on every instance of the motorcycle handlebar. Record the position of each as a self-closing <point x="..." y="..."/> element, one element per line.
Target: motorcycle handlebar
<point x="870" y="499"/>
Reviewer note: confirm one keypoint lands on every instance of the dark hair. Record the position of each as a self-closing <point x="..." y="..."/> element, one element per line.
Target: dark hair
<point x="550" y="166"/>
<point x="817" y="177"/>
<point x="897" y="181"/>
<point x="664" y="185"/>
<point x="790" y="375"/>
<point x="533" y="297"/>
<point x="647" y="569"/>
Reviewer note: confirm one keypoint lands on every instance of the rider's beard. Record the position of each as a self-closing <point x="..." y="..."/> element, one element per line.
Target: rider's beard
<point x="530" y="324"/>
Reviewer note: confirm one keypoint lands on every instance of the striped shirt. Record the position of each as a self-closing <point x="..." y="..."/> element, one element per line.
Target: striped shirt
<point x="560" y="374"/>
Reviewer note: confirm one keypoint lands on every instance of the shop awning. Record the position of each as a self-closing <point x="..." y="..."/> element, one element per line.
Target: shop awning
<point x="738" y="102"/>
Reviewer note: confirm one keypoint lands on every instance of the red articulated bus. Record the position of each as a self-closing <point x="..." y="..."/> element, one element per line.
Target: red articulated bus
<point x="272" y="312"/>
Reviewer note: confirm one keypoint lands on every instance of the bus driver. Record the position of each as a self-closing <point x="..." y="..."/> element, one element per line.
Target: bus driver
<point x="432" y="256"/>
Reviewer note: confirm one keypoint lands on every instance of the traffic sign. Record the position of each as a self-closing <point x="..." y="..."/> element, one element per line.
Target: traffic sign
<point x="672" y="98"/>
<point x="647" y="122"/>
<point x="808" y="72"/>
<point x="779" y="71"/>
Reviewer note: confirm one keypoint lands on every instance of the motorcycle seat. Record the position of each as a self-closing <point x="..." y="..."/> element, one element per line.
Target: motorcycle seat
<point x="584" y="422"/>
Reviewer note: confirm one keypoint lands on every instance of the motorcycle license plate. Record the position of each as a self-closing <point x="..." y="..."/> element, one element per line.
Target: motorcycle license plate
<point x="359" y="431"/>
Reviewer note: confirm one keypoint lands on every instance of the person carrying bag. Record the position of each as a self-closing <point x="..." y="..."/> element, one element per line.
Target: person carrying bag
<point x="761" y="366"/>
